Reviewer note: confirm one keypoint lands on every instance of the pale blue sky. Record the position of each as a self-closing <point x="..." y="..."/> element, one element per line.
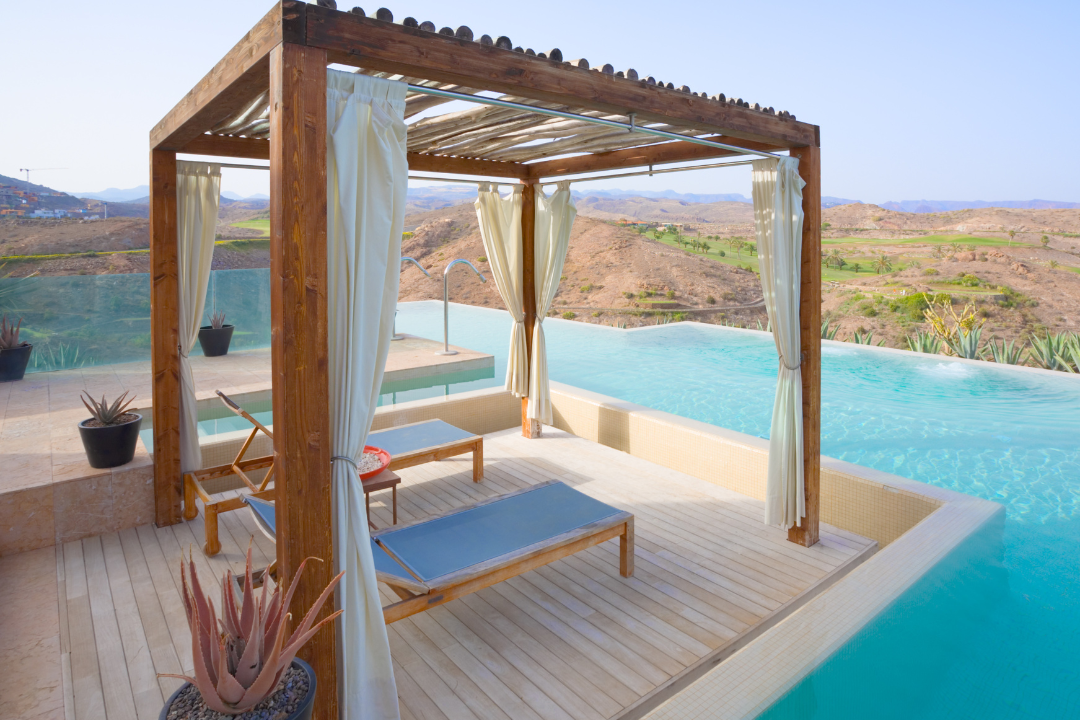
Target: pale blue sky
<point x="938" y="100"/>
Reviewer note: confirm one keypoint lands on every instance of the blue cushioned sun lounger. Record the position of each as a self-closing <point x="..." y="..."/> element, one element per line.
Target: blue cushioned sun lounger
<point x="426" y="441"/>
<point x="438" y="559"/>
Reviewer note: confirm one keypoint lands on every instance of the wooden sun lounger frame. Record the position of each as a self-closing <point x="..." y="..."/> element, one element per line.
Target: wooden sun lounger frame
<point x="474" y="444"/>
<point x="193" y="481"/>
<point x="418" y="596"/>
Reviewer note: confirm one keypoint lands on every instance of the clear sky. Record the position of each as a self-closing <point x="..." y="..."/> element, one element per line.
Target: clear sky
<point x="918" y="100"/>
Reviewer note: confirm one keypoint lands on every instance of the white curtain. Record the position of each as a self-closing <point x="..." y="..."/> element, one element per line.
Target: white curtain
<point x="366" y="181"/>
<point x="778" y="220"/>
<point x="554" y="220"/>
<point x="500" y="228"/>
<point x="198" y="193"/>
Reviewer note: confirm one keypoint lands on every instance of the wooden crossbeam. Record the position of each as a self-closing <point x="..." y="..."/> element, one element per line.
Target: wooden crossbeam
<point x="223" y="146"/>
<point x="238" y="78"/>
<point x="364" y="42"/>
<point x="677" y="151"/>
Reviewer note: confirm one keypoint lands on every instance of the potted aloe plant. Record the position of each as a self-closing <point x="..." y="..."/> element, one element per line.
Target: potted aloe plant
<point x="245" y="661"/>
<point x="14" y="355"/>
<point x="215" y="337"/>
<point x="110" y="433"/>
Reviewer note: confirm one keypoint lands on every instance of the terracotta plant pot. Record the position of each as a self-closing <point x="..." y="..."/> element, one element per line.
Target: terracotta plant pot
<point x="215" y="341"/>
<point x="301" y="713"/>
<point x="110" y="445"/>
<point x="13" y="362"/>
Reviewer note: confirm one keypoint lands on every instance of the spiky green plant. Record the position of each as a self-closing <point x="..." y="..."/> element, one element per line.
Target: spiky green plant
<point x="9" y="334"/>
<point x="826" y="333"/>
<point x="1006" y="353"/>
<point x="1050" y="352"/>
<point x="924" y="342"/>
<point x="1071" y="350"/>
<point x="240" y="658"/>
<point x="217" y="320"/>
<point x="105" y="413"/>
<point x="967" y="343"/>
<point x="865" y="339"/>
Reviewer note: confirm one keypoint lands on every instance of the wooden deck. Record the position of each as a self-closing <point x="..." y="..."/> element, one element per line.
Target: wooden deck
<point x="572" y="640"/>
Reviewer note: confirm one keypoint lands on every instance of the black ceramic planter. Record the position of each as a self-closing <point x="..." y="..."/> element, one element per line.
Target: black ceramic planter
<point x="302" y="713"/>
<point x="110" y="445"/>
<point x="13" y="362"/>
<point x="215" y="341"/>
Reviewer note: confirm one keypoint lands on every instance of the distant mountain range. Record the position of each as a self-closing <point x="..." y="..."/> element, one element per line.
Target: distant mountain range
<point x="934" y="206"/>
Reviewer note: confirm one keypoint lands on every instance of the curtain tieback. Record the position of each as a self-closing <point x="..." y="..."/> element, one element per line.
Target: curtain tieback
<point x="346" y="459"/>
<point x="783" y="362"/>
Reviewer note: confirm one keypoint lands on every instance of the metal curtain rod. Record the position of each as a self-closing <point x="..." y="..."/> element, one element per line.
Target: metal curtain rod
<point x="650" y="172"/>
<point x="629" y="127"/>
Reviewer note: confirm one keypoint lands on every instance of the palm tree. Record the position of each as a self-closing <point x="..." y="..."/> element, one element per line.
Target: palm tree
<point x="704" y="247"/>
<point x="739" y="245"/>
<point x="752" y="247"/>
<point x="882" y="264"/>
<point x="1012" y="234"/>
<point x="1053" y="264"/>
<point x="855" y="267"/>
<point x="1044" y="240"/>
<point x="835" y="257"/>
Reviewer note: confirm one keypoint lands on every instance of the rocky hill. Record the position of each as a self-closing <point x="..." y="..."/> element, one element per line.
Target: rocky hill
<point x="603" y="265"/>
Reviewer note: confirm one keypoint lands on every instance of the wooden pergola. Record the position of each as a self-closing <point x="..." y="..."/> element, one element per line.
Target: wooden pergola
<point x="266" y="99"/>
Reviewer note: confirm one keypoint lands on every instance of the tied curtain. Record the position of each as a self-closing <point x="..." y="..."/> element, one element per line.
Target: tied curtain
<point x="366" y="181"/>
<point x="554" y="220"/>
<point x="500" y="228"/>
<point x="198" y="193"/>
<point x="778" y="221"/>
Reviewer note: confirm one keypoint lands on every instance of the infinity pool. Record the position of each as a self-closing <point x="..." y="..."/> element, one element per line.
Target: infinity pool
<point x="992" y="632"/>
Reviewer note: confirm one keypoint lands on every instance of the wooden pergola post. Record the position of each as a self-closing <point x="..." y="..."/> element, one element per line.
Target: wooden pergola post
<point x="300" y="354"/>
<point x="165" y="336"/>
<point x="810" y="338"/>
<point x="529" y="428"/>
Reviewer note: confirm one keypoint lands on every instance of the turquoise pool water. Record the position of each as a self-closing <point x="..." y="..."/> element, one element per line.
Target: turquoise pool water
<point x="991" y="632"/>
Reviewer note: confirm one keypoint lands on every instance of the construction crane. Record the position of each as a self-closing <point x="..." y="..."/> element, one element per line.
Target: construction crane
<point x="30" y="170"/>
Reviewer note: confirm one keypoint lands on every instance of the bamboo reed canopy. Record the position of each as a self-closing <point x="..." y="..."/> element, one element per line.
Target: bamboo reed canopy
<point x="266" y="99"/>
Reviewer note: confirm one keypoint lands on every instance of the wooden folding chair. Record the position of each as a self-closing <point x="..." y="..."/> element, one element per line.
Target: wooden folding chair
<point x="193" y="481"/>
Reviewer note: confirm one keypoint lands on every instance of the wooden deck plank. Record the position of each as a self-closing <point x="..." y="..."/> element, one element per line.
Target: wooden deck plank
<point x="133" y="626"/>
<point x="85" y="673"/>
<point x="572" y="640"/>
<point x="115" y="681"/>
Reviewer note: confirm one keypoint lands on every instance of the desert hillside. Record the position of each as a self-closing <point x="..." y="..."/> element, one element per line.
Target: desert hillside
<point x="604" y="264"/>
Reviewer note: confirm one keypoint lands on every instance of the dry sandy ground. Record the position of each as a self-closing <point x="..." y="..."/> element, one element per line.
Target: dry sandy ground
<point x="603" y="263"/>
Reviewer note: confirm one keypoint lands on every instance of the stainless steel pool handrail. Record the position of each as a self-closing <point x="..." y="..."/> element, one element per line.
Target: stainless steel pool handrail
<point x="404" y="258"/>
<point x="446" y="304"/>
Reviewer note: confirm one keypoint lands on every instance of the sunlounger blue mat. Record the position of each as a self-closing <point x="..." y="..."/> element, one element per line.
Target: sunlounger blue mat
<point x="267" y="517"/>
<point x="402" y="440"/>
<point x="444" y="545"/>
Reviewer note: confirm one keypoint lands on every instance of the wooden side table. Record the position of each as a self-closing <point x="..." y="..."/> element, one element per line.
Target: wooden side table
<point x="382" y="481"/>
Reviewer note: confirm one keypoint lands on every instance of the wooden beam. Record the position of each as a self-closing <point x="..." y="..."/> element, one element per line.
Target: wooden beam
<point x="466" y="166"/>
<point x="375" y="45"/>
<point x="237" y="79"/>
<point x="256" y="149"/>
<point x="224" y="146"/>
<point x="810" y="338"/>
<point x="298" y="336"/>
<point x="678" y="151"/>
<point x="529" y="428"/>
<point x="165" y="337"/>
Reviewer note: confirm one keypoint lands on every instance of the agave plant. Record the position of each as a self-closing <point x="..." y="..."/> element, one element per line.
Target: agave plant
<point x="1006" y="353"/>
<point x="924" y="342"/>
<point x="865" y="339"/>
<point x="1071" y="350"/>
<point x="967" y="343"/>
<point x="826" y="333"/>
<point x="1051" y="352"/>
<point x="9" y="334"/>
<point x="105" y="413"/>
<point x="240" y="657"/>
<point x="217" y="320"/>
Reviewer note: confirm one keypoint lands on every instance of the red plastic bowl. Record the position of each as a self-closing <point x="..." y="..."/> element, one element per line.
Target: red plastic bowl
<point x="383" y="455"/>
